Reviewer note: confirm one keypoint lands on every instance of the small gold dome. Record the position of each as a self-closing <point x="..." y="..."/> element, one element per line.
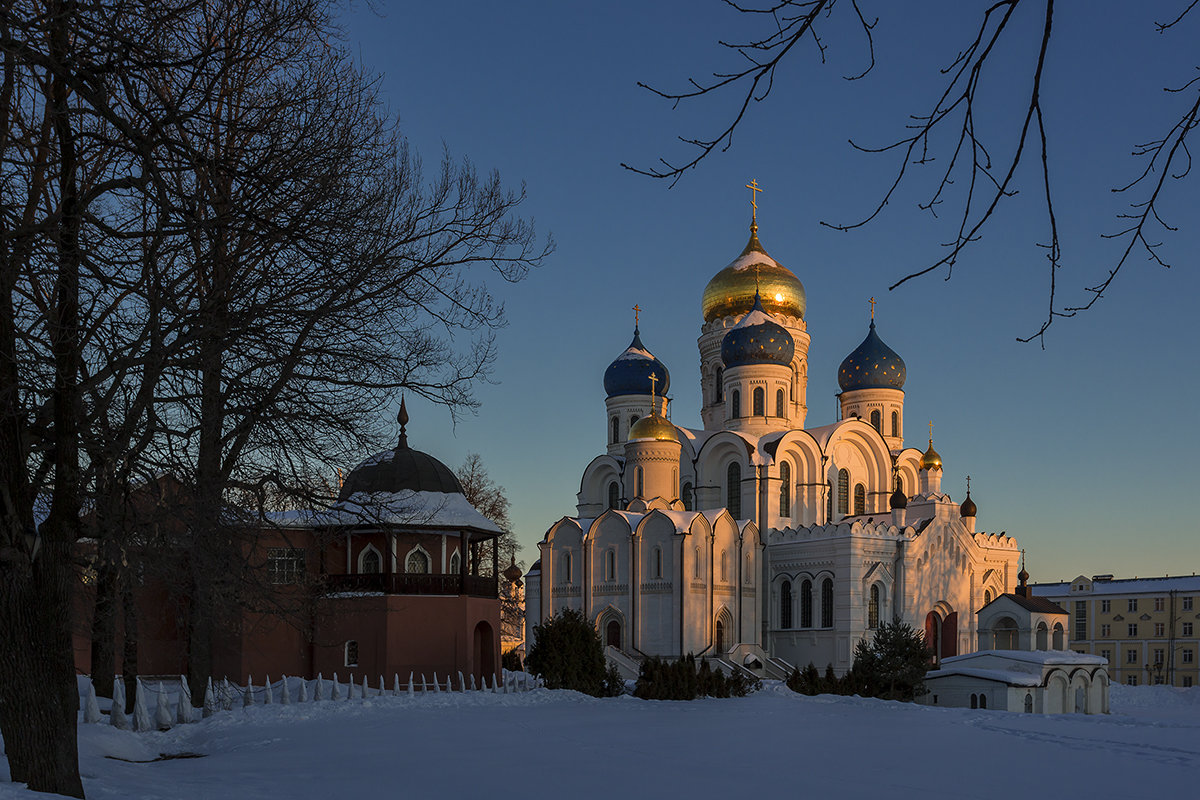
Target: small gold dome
<point x="655" y="427"/>
<point x="931" y="459"/>
<point x="731" y="291"/>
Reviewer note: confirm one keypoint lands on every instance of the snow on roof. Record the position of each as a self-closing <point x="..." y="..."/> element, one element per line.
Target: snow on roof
<point x="748" y="260"/>
<point x="407" y="508"/>
<point x="1044" y="657"/>
<point x="635" y="352"/>
<point x="1185" y="583"/>
<point x="999" y="675"/>
<point x="753" y="317"/>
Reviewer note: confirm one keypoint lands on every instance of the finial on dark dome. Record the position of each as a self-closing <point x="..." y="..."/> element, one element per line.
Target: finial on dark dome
<point x="968" y="508"/>
<point x="1023" y="576"/>
<point x="872" y="302"/>
<point x="637" y="311"/>
<point x="402" y="418"/>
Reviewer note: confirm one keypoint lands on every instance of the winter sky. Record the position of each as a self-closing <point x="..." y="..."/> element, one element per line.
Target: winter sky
<point x="1084" y="450"/>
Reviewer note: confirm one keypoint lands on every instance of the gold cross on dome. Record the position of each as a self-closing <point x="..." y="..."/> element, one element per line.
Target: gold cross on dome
<point x="637" y="310"/>
<point x="653" y="386"/>
<point x="754" y="190"/>
<point x="872" y="301"/>
<point x="931" y="430"/>
<point x="968" y="484"/>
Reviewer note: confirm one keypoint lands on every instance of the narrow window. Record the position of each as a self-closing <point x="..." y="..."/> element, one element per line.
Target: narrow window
<point x="724" y="567"/>
<point x="779" y="403"/>
<point x="633" y="420"/>
<point x="658" y="562"/>
<point x="987" y="596"/>
<point x="352" y="653"/>
<point x="829" y="501"/>
<point x="749" y="571"/>
<point x="610" y="566"/>
<point x="736" y="404"/>
<point x="759" y="402"/>
<point x="895" y="423"/>
<point x="687" y="497"/>
<point x="873" y="609"/>
<point x="785" y="605"/>
<point x="974" y="701"/>
<point x="417" y="562"/>
<point x="614" y="435"/>
<point x="876" y="421"/>
<point x="614" y="495"/>
<point x="733" y="489"/>
<point x="455" y="563"/>
<point x="983" y="700"/>
<point x="720" y="385"/>
<point x="806" y="615"/>
<point x="827" y="603"/>
<point x="696" y="565"/>
<point x="843" y="491"/>
<point x="566" y="562"/>
<point x="860" y="499"/>
<point x="785" y="489"/>
<point x="639" y="482"/>
<point x="370" y="561"/>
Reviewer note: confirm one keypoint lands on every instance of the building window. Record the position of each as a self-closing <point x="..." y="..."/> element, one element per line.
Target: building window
<point x="785" y="605"/>
<point x="987" y="596"/>
<point x="724" y="567"/>
<point x="658" y="562"/>
<point x="455" y="563"/>
<point x="1106" y="606"/>
<point x="1187" y="656"/>
<point x="1132" y="629"/>
<point x="829" y="501"/>
<point x="610" y="566"/>
<point x="760" y="403"/>
<point x="566" y="564"/>
<point x="352" y="653"/>
<point x="895" y="423"/>
<point x="1159" y="603"/>
<point x="779" y="403"/>
<point x="749" y="580"/>
<point x="1187" y="681"/>
<point x="843" y="492"/>
<point x="1080" y="628"/>
<point x="1187" y="629"/>
<point x="735" y="404"/>
<point x="785" y="489"/>
<point x="614" y="434"/>
<point x="877" y="420"/>
<point x="1133" y="604"/>
<point x="639" y="482"/>
<point x="369" y="561"/>
<point x="1158" y="655"/>
<point x="827" y="603"/>
<point x="1159" y="628"/>
<point x="860" y="499"/>
<point x="614" y="495"/>
<point x="1105" y="631"/>
<point x="733" y="489"/>
<point x="806" y="617"/>
<point x="696" y="563"/>
<point x="687" y="497"/>
<point x="285" y="565"/>
<point x="417" y="562"/>
<point x="873" y="609"/>
<point x="1131" y="680"/>
<point x="720" y="387"/>
<point x="1131" y="656"/>
<point x="1187" y="604"/>
<point x="974" y="701"/>
<point x="1106" y="655"/>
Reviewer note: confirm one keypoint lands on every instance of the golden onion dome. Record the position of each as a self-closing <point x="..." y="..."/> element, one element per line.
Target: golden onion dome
<point x="931" y="459"/>
<point x="731" y="291"/>
<point x="655" y="427"/>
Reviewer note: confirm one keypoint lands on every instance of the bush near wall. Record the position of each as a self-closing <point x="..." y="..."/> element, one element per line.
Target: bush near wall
<point x="683" y="680"/>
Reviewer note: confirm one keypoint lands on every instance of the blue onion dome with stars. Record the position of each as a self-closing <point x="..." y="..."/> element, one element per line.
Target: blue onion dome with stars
<point x="757" y="339"/>
<point x="872" y="365"/>
<point x="630" y="372"/>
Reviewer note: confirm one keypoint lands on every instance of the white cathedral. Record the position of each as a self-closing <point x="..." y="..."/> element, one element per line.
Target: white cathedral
<point x="753" y="538"/>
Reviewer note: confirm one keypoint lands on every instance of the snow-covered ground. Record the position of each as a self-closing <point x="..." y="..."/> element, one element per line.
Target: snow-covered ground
<point x="563" y="744"/>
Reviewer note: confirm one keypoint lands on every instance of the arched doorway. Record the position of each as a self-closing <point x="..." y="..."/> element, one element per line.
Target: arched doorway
<point x="933" y="635"/>
<point x="720" y="637"/>
<point x="949" y="636"/>
<point x="485" y="651"/>
<point x="612" y="634"/>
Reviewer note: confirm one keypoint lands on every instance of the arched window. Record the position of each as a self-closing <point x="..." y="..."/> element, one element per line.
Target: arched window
<point x="876" y="421"/>
<point x="658" y="562"/>
<point x="733" y="489"/>
<point x="639" y="482"/>
<point x="417" y="562"/>
<point x="895" y="423"/>
<point x="687" y="497"/>
<point x="696" y="564"/>
<point x="827" y="603"/>
<point x="735" y="405"/>
<point x="1043" y="634"/>
<point x="352" y="653"/>
<point x="779" y="403"/>
<point x="749" y="579"/>
<point x="785" y="489"/>
<point x="610" y="566"/>
<point x="860" y="499"/>
<point x="987" y="596"/>
<point x="1058" y="636"/>
<point x="843" y="491"/>
<point x="785" y="605"/>
<point x="614" y="495"/>
<point x="982" y="700"/>
<point x="720" y="387"/>
<point x="455" y="563"/>
<point x="974" y="701"/>
<point x="806" y="615"/>
<point x="873" y="609"/>
<point x="724" y="567"/>
<point x="1028" y="703"/>
<point x="566" y="565"/>
<point x="829" y="501"/>
<point x="369" y="561"/>
<point x="614" y="435"/>
<point x="760" y="403"/>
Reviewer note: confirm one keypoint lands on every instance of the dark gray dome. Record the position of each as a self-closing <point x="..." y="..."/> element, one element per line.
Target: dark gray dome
<point x="399" y="470"/>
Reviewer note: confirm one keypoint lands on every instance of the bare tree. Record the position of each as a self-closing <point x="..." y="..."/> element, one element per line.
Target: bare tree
<point x="489" y="499"/>
<point x="975" y="166"/>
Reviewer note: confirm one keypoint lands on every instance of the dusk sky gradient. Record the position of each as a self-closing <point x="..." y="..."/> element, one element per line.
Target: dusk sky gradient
<point x="1085" y="451"/>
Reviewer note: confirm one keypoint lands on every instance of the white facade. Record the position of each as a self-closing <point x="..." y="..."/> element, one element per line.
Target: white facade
<point x="666" y="538"/>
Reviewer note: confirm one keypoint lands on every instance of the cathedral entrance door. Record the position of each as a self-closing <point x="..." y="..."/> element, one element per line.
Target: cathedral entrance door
<point x="720" y="636"/>
<point x="612" y="634"/>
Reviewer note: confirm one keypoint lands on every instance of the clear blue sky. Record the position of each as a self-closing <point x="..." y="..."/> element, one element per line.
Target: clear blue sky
<point x="1085" y="451"/>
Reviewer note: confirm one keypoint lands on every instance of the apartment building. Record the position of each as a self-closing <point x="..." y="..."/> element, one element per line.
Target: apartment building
<point x="1147" y="628"/>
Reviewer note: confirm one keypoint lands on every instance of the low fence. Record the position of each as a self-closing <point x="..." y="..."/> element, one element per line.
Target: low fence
<point x="173" y="706"/>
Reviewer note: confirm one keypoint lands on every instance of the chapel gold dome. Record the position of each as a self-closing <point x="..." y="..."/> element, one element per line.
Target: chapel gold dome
<point x="931" y="459"/>
<point x="731" y="291"/>
<point x="653" y="427"/>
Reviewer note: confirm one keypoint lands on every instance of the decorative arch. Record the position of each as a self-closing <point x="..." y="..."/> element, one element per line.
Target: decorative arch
<point x="723" y="630"/>
<point x="610" y="624"/>
<point x="417" y="561"/>
<point x="370" y="560"/>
